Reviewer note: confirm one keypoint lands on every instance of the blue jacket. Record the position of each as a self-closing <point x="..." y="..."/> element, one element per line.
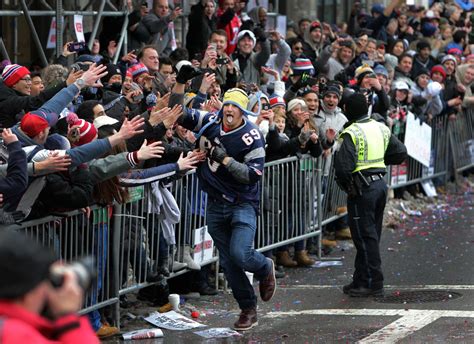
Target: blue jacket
<point x="16" y="181"/>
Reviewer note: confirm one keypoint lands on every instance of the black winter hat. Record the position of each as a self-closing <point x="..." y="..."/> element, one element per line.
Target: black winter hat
<point x="23" y="264"/>
<point x="421" y="71"/>
<point x="112" y="70"/>
<point x="356" y="106"/>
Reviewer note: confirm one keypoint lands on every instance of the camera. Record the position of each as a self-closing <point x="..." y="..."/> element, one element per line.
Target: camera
<point x="222" y="61"/>
<point x="76" y="46"/>
<point x="84" y="269"/>
<point x="133" y="87"/>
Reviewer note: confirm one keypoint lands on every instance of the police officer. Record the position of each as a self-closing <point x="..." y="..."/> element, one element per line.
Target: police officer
<point x="367" y="147"/>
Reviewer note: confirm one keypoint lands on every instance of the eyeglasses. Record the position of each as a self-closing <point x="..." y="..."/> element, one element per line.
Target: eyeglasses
<point x="298" y="48"/>
<point x="26" y="79"/>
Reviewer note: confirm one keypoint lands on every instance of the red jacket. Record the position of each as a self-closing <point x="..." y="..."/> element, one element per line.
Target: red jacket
<point x="18" y="325"/>
<point x="231" y="28"/>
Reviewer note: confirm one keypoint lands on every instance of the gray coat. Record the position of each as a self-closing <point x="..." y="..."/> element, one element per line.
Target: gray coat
<point x="161" y="35"/>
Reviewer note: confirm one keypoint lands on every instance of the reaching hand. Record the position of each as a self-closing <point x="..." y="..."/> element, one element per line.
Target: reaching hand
<point x="112" y="48"/>
<point x="131" y="128"/>
<point x="162" y="102"/>
<point x="187" y="163"/>
<point x="54" y="163"/>
<point x="173" y="116"/>
<point x="153" y="150"/>
<point x="176" y="13"/>
<point x="92" y="76"/>
<point x="207" y="81"/>
<point x="156" y="117"/>
<point x="8" y="137"/>
<point x="129" y="57"/>
<point x="73" y="76"/>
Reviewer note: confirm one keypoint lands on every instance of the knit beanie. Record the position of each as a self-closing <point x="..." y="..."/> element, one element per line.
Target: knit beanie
<point x="449" y="58"/>
<point x="363" y="71"/>
<point x="277" y="101"/>
<point x="380" y="69"/>
<point x="112" y="70"/>
<point x="440" y="69"/>
<point x="13" y="73"/>
<point x="237" y="97"/>
<point x="332" y="89"/>
<point x="302" y="65"/>
<point x="294" y="103"/>
<point x="315" y="25"/>
<point x="137" y="69"/>
<point x="356" y="106"/>
<point x="428" y="29"/>
<point x="253" y="99"/>
<point x="421" y="71"/>
<point x="81" y="132"/>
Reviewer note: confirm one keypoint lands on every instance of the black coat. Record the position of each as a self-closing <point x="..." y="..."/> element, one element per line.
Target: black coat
<point x="13" y="103"/>
<point x="200" y="29"/>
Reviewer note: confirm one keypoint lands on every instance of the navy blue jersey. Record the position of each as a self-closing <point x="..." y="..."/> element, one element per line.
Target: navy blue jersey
<point x="244" y="144"/>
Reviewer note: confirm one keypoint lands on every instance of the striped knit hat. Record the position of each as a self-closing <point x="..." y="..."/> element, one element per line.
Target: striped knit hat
<point x="277" y="101"/>
<point x="13" y="73"/>
<point x="81" y="132"/>
<point x="137" y="69"/>
<point x="302" y="65"/>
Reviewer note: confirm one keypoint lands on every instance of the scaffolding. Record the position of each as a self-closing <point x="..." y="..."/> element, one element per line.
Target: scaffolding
<point x="59" y="13"/>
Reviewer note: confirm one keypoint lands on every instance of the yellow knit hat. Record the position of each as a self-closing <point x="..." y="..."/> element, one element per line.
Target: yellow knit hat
<point x="362" y="71"/>
<point x="237" y="97"/>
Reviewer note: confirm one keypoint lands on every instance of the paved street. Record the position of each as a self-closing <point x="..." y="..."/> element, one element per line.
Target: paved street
<point x="428" y="257"/>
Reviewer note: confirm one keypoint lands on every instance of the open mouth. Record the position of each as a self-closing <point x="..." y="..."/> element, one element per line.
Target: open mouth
<point x="229" y="119"/>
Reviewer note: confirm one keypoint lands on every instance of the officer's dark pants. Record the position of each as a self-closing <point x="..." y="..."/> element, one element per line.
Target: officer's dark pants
<point x="365" y="221"/>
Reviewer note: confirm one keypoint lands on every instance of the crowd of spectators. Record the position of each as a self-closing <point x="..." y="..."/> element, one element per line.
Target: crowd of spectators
<point x="77" y="129"/>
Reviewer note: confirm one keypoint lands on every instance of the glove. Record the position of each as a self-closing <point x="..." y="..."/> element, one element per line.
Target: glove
<point x="218" y="153"/>
<point x="302" y="82"/>
<point x="187" y="72"/>
<point x="303" y="137"/>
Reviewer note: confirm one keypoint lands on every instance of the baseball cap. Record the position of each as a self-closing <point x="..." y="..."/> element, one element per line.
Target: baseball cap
<point x="36" y="121"/>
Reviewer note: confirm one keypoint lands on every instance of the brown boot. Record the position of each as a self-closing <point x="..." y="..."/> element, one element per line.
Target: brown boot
<point x="303" y="259"/>
<point x="247" y="320"/>
<point x="284" y="259"/>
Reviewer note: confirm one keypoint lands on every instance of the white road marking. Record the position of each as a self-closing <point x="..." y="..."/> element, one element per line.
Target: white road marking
<point x="401" y="328"/>
<point x="396" y="287"/>
<point x="411" y="320"/>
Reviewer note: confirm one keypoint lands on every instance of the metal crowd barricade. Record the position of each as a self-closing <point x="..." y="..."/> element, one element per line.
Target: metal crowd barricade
<point x="461" y="137"/>
<point x="290" y="202"/>
<point x="74" y="235"/>
<point x="413" y="172"/>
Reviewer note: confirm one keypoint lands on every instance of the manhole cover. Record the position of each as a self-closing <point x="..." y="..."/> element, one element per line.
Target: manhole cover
<point x="418" y="296"/>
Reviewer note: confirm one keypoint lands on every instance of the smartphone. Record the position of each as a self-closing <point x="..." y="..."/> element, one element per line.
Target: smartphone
<point x="76" y="46"/>
<point x="213" y="46"/>
<point x="222" y="61"/>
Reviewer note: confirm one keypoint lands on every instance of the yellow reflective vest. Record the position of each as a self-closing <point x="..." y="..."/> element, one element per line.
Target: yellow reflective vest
<point x="370" y="140"/>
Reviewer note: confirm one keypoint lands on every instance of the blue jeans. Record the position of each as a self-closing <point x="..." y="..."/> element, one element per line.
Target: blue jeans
<point x="232" y="227"/>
